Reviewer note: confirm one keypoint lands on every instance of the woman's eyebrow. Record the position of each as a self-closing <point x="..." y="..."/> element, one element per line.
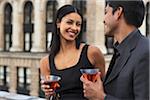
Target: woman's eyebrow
<point x="72" y="20"/>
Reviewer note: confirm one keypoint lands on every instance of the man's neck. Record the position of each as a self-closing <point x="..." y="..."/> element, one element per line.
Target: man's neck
<point x="123" y="32"/>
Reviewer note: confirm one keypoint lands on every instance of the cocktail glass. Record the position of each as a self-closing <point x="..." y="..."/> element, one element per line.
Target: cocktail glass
<point x="90" y="74"/>
<point x="52" y="81"/>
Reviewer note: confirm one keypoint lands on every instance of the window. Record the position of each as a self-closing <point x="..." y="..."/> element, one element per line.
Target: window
<point x="109" y="44"/>
<point x="81" y="5"/>
<point x="23" y="80"/>
<point x="7" y="27"/>
<point x="28" y="13"/>
<point x="4" y="78"/>
<point x="28" y="26"/>
<point x="27" y="41"/>
<point x="48" y="39"/>
<point x="50" y="13"/>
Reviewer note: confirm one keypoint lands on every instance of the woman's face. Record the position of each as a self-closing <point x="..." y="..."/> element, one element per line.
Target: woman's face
<point x="70" y="26"/>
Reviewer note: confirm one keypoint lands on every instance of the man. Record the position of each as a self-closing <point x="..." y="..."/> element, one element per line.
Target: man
<point x="127" y="77"/>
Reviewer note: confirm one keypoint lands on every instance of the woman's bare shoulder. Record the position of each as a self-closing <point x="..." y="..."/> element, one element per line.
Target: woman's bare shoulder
<point x="44" y="65"/>
<point x="95" y="54"/>
<point x="93" y="50"/>
<point x="44" y="59"/>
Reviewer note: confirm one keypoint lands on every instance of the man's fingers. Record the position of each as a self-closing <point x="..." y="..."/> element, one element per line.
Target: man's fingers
<point x="82" y="79"/>
<point x="98" y="76"/>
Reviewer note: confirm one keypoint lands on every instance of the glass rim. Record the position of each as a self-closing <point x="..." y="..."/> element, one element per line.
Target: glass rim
<point x="50" y="78"/>
<point x="89" y="71"/>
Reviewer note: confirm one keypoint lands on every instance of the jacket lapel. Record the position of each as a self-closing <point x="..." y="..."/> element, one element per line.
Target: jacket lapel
<point x="118" y="66"/>
<point x="123" y="57"/>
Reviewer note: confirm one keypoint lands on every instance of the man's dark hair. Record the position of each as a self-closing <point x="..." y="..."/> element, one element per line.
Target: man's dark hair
<point x="133" y="10"/>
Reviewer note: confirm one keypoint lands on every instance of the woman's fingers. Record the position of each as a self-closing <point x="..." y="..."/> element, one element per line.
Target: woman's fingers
<point x="47" y="90"/>
<point x="49" y="93"/>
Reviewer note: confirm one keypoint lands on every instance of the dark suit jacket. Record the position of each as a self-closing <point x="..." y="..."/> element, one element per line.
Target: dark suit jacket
<point x="129" y="79"/>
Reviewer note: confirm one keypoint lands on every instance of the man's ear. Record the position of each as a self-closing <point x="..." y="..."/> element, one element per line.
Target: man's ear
<point x="119" y="12"/>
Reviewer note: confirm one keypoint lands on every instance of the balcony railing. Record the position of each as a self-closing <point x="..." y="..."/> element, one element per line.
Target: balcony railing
<point x="19" y="72"/>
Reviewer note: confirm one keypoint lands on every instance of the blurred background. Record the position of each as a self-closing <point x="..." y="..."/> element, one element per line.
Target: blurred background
<point x="25" y="35"/>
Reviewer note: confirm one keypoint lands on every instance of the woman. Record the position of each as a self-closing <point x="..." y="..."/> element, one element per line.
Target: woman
<point x="68" y="55"/>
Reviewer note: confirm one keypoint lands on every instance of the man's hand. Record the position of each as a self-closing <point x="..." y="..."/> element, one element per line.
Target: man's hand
<point x="93" y="90"/>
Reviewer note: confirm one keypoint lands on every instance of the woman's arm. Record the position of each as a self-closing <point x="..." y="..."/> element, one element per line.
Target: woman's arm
<point x="44" y="66"/>
<point x="97" y="59"/>
<point x="45" y="70"/>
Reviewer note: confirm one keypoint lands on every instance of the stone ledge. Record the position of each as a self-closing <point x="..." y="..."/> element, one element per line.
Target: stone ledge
<point x="12" y="96"/>
<point x="19" y="55"/>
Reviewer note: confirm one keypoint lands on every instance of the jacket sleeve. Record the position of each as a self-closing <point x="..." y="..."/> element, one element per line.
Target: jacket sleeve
<point x="141" y="78"/>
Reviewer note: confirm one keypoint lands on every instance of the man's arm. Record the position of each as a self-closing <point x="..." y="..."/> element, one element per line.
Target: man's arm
<point x="141" y="78"/>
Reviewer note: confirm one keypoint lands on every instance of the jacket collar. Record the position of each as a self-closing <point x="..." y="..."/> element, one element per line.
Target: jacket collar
<point x="124" y="49"/>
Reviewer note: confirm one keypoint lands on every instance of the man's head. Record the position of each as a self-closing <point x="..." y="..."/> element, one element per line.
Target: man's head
<point x="132" y="11"/>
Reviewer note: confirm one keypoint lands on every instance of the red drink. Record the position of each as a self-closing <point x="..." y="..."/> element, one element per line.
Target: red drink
<point x="90" y="74"/>
<point x="90" y="77"/>
<point x="51" y="80"/>
<point x="53" y="84"/>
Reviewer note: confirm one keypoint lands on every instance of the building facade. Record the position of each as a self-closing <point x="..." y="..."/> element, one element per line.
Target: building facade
<point x="25" y="35"/>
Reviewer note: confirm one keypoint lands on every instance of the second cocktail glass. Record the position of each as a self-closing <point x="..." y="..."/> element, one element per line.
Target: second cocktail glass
<point x="90" y="74"/>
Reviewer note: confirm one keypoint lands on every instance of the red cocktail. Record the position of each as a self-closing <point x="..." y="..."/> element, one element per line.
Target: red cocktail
<point x="90" y="74"/>
<point x="52" y="81"/>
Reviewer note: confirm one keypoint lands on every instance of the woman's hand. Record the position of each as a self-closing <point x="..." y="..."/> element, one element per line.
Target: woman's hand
<point x="47" y="90"/>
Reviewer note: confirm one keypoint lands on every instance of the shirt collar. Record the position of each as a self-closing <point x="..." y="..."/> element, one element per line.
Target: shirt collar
<point x="120" y="46"/>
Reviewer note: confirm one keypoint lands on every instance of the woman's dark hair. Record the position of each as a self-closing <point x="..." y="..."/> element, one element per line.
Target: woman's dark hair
<point x="133" y="10"/>
<point x="55" y="42"/>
